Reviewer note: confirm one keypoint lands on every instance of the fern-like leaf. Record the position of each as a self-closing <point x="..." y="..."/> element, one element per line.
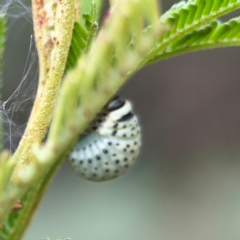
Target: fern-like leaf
<point x="83" y="34"/>
<point x="187" y="19"/>
<point x="78" y="45"/>
<point x="213" y="35"/>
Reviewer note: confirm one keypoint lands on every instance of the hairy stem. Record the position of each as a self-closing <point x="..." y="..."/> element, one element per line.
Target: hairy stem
<point x="53" y="24"/>
<point x="53" y="43"/>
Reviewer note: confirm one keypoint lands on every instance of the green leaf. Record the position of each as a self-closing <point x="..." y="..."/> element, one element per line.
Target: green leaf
<point x="6" y="171"/>
<point x="86" y="8"/>
<point x="83" y="34"/>
<point x="213" y="35"/>
<point x="78" y="45"/>
<point x="115" y="54"/>
<point x="185" y="18"/>
<point x="9" y="225"/>
<point x="85" y="90"/>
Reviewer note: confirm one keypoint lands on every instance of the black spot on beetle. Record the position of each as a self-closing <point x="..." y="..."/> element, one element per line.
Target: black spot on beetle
<point x="126" y="117"/>
<point x="105" y="151"/>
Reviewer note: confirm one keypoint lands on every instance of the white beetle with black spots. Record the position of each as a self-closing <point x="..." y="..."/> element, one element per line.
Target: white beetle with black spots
<point x="111" y="144"/>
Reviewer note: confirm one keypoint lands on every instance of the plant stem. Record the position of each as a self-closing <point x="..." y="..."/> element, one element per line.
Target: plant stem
<point x="53" y="45"/>
<point x="31" y="202"/>
<point x="53" y="41"/>
<point x="199" y="47"/>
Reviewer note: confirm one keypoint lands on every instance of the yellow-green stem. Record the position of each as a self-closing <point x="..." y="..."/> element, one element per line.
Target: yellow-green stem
<point x="53" y="41"/>
<point x="53" y="44"/>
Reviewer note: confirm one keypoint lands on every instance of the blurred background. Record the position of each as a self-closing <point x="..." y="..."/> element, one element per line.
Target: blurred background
<point x="186" y="183"/>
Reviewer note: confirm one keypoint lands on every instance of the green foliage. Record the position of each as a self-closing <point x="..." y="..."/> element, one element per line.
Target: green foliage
<point x="83" y="34"/>
<point x="97" y="66"/>
<point x="110" y="61"/>
<point x="9" y="225"/>
<point x="213" y="35"/>
<point x="6" y="167"/>
<point x="86" y="8"/>
<point x="193" y="27"/>
<point x="78" y="45"/>
<point x="84" y="91"/>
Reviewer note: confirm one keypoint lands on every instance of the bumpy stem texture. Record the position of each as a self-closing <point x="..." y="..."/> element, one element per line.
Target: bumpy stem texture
<point x="53" y="24"/>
